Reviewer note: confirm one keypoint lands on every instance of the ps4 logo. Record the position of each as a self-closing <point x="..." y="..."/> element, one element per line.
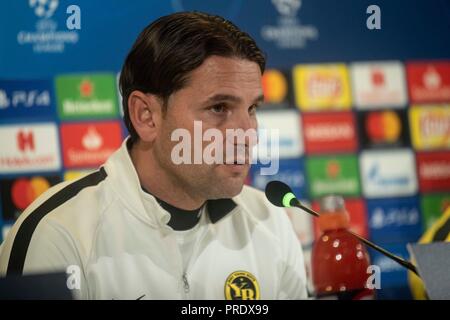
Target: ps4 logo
<point x="24" y="98"/>
<point x="397" y="217"/>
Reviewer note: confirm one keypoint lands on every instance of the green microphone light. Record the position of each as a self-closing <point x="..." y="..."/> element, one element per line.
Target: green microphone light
<point x="287" y="198"/>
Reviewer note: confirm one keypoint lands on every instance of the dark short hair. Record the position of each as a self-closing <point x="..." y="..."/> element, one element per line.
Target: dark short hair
<point x="168" y="49"/>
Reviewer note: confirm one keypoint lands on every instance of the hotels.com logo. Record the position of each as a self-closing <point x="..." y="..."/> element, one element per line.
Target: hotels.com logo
<point x="25" y="141"/>
<point x="31" y="147"/>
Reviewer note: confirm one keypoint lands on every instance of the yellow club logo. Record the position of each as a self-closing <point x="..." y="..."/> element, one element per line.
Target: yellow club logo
<point x="241" y="285"/>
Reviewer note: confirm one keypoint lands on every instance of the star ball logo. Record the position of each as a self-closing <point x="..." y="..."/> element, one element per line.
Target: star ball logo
<point x="44" y="8"/>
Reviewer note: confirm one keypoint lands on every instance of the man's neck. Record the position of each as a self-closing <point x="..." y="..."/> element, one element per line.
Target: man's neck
<point x="156" y="181"/>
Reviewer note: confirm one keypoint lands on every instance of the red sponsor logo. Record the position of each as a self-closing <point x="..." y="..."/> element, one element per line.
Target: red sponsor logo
<point x="434" y="171"/>
<point x="86" y="88"/>
<point x="25" y="141"/>
<point x="332" y="132"/>
<point x="429" y="82"/>
<point x="89" y="144"/>
<point x="357" y="211"/>
<point x="377" y="77"/>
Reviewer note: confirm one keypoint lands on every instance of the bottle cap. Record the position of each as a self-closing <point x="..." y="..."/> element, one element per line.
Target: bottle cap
<point x="333" y="213"/>
<point x="332" y="203"/>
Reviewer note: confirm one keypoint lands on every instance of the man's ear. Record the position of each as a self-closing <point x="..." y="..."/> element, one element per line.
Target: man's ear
<point x="145" y="114"/>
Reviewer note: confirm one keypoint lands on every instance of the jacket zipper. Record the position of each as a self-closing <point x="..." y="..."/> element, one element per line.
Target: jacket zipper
<point x="184" y="276"/>
<point x="185" y="283"/>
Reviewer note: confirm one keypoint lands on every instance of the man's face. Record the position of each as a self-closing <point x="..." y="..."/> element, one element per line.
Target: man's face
<point x="222" y="93"/>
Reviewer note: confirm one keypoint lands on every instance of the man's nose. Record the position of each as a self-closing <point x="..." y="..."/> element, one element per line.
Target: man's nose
<point x="243" y="120"/>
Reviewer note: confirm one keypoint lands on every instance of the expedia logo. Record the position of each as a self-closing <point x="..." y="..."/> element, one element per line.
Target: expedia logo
<point x="241" y="285"/>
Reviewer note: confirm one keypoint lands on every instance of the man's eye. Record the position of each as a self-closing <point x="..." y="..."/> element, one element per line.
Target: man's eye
<point x="219" y="108"/>
<point x="252" y="109"/>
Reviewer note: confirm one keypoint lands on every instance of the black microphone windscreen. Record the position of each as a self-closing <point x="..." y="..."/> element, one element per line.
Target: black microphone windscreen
<point x="275" y="191"/>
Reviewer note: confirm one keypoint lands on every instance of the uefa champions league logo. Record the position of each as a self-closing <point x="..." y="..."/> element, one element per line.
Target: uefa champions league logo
<point x="44" y="8"/>
<point x="47" y="36"/>
<point x="288" y="32"/>
<point x="287" y="8"/>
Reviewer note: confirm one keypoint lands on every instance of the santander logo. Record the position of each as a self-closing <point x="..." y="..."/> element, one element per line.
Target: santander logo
<point x="431" y="79"/>
<point x="92" y="140"/>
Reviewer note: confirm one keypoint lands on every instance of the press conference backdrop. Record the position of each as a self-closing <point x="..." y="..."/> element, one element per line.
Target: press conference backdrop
<point x="362" y="112"/>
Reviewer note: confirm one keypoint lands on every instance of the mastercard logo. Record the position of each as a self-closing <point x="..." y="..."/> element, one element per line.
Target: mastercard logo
<point x="274" y="86"/>
<point x="383" y="127"/>
<point x="24" y="191"/>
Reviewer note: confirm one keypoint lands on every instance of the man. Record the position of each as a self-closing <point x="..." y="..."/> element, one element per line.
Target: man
<point x="147" y="226"/>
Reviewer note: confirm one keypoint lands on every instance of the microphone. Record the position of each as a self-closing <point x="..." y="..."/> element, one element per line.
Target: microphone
<point x="281" y="195"/>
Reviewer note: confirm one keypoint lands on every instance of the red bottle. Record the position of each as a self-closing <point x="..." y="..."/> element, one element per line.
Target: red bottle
<point x="339" y="260"/>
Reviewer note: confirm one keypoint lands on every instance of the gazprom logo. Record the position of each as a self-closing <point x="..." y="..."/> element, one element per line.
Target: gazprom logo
<point x="388" y="174"/>
<point x="378" y="179"/>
